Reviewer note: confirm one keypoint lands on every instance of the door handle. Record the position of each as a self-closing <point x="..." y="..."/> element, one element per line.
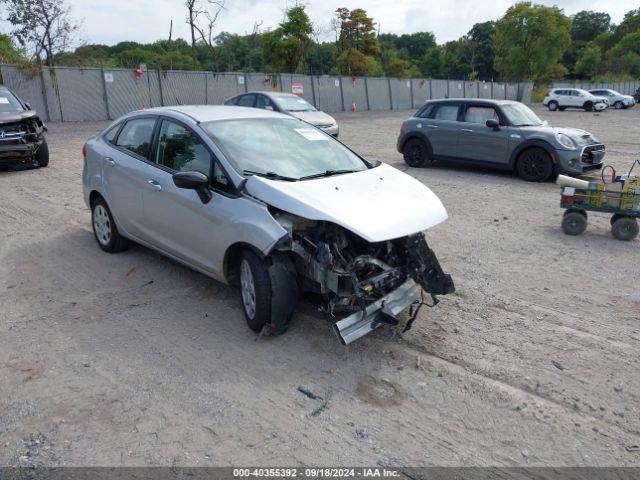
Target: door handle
<point x="110" y="161"/>
<point x="466" y="130"/>
<point x="432" y="126"/>
<point x="155" y="184"/>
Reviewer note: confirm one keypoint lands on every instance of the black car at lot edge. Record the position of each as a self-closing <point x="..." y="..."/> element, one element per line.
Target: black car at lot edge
<point x="21" y="132"/>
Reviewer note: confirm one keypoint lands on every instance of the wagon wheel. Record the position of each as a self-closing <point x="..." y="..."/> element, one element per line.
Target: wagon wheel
<point x="625" y="228"/>
<point x="574" y="222"/>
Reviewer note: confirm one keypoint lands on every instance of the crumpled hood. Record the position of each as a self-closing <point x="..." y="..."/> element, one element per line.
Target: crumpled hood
<point x="378" y="204"/>
<point x="13" y="117"/>
<point x="314" y="118"/>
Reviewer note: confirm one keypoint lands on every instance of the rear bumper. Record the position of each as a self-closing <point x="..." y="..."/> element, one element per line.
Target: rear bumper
<point x="367" y="320"/>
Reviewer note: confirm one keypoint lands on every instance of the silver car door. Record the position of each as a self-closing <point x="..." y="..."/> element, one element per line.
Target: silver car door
<point x="123" y="172"/>
<point x="176" y="220"/>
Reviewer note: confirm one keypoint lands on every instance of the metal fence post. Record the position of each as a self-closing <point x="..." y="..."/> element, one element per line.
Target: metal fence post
<point x="246" y="85"/>
<point x="104" y="93"/>
<point x="44" y="95"/>
<point x="390" y="93"/>
<point x="430" y="89"/>
<point x="411" y="90"/>
<point x="492" y="90"/>
<point x="282" y="83"/>
<point x="342" y="95"/>
<point x="206" y="88"/>
<point x="366" y="93"/>
<point x="448" y="89"/>
<point x="160" y="87"/>
<point x="464" y="89"/>
<point x="313" y="90"/>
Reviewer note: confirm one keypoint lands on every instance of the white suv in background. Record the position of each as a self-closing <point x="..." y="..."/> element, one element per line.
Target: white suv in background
<point x="562" y="98"/>
<point x="615" y="99"/>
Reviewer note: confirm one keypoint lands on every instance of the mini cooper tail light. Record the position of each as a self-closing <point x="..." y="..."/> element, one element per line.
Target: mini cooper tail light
<point x="84" y="151"/>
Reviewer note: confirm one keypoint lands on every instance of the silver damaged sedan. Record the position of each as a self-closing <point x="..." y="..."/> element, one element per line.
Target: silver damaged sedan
<point x="272" y="204"/>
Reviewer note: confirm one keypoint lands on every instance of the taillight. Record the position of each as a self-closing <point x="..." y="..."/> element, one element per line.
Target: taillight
<point x="84" y="151"/>
<point x="402" y="127"/>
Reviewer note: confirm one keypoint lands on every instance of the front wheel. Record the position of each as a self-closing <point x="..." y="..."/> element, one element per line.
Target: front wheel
<point x="588" y="106"/>
<point x="618" y="105"/>
<point x="255" y="291"/>
<point x="41" y="159"/>
<point x="105" y="230"/>
<point x="553" y="106"/>
<point x="416" y="153"/>
<point x="534" y="165"/>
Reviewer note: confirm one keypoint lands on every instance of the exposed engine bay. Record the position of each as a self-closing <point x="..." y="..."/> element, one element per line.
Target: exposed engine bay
<point x="359" y="279"/>
<point x="21" y="135"/>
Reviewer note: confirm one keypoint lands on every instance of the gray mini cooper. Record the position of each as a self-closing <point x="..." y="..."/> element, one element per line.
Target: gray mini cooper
<point x="505" y="135"/>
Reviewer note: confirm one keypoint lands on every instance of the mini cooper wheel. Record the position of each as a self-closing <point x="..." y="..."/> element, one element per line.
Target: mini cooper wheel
<point x="534" y="165"/>
<point x="574" y="222"/>
<point x="105" y="230"/>
<point x="255" y="290"/>
<point x="553" y="106"/>
<point x="416" y="153"/>
<point x="625" y="228"/>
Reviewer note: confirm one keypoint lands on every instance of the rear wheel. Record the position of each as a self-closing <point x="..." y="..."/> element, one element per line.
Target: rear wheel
<point x="574" y="222"/>
<point x="42" y="155"/>
<point x="588" y="106"/>
<point x="534" y="165"/>
<point x="625" y="228"/>
<point x="416" y="153"/>
<point x="105" y="230"/>
<point x="553" y="105"/>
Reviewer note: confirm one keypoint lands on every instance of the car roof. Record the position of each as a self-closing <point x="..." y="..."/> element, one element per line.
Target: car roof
<point x="474" y="100"/>
<point x="209" y="113"/>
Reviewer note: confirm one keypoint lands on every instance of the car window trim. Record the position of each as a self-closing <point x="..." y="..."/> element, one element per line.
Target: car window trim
<point x="214" y="158"/>
<point x="129" y="152"/>
<point x="434" y="112"/>
<point x="502" y="119"/>
<point x="118" y="127"/>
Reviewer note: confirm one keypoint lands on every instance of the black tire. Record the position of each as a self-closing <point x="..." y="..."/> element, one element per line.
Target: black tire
<point x="534" y="165"/>
<point x="618" y="105"/>
<point x="553" y="106"/>
<point x="41" y="159"/>
<point x="588" y="106"/>
<point x="105" y="230"/>
<point x="574" y="222"/>
<point x="625" y="228"/>
<point x="416" y="153"/>
<point x="256" y="307"/>
<point x="615" y="217"/>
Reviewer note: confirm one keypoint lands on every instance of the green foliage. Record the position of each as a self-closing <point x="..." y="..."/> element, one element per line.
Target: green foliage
<point x="530" y="40"/>
<point x="587" y="25"/>
<point x="432" y="63"/>
<point x="589" y="60"/>
<point x="9" y="53"/>
<point x="286" y="48"/>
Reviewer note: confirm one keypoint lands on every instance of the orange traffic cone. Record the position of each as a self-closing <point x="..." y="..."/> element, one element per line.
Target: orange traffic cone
<point x="353" y="107"/>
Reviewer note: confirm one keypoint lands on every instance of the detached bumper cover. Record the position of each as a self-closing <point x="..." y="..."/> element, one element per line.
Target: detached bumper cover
<point x="375" y="314"/>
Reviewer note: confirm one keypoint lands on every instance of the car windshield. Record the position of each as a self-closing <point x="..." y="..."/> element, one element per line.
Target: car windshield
<point x="294" y="104"/>
<point x="281" y="148"/>
<point x="520" y="115"/>
<point x="9" y="103"/>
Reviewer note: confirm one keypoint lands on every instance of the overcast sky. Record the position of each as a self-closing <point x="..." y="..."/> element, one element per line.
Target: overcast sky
<point x="112" y="21"/>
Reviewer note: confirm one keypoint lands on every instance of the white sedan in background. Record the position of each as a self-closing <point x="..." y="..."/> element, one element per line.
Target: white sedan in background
<point x="615" y="98"/>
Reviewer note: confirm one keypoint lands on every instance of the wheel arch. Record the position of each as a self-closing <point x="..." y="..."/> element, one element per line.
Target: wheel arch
<point x="533" y="143"/>
<point x="231" y="261"/>
<point x="419" y="136"/>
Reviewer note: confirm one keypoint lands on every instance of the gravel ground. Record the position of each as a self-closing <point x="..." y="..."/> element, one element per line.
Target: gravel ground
<point x="131" y="359"/>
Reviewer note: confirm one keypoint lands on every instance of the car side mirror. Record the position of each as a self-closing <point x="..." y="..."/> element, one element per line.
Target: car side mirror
<point x="194" y="181"/>
<point x="491" y="123"/>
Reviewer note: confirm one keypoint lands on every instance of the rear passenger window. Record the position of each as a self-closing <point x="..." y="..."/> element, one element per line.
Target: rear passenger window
<point x="426" y="112"/>
<point x="263" y="102"/>
<point x="111" y="133"/>
<point x="447" y="112"/>
<point x="136" y="136"/>
<point x="181" y="150"/>
<point x="246" y="100"/>
<point x="480" y="114"/>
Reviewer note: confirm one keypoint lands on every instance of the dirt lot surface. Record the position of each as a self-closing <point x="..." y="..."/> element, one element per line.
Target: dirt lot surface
<point x="131" y="359"/>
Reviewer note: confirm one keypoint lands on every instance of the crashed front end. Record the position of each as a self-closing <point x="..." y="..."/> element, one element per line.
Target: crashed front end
<point x="21" y="136"/>
<point x="366" y="284"/>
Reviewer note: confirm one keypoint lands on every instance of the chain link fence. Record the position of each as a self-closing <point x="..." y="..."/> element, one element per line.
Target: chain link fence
<point x="65" y="94"/>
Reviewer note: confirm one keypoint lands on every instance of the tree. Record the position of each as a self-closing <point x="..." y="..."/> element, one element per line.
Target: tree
<point x="356" y="41"/>
<point x="432" y="64"/>
<point x="481" y="49"/>
<point x="43" y="27"/>
<point x="286" y="48"/>
<point x="530" y="40"/>
<point x="9" y="53"/>
<point x="587" y="25"/>
<point x="589" y="61"/>
<point x="202" y="16"/>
